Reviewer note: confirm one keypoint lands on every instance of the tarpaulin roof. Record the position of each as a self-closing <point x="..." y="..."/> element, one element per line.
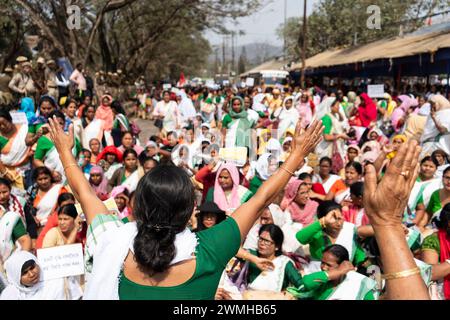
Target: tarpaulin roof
<point x="396" y="47"/>
<point x="274" y="64"/>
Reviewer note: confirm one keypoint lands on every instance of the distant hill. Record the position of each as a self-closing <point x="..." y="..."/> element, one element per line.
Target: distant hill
<point x="257" y="53"/>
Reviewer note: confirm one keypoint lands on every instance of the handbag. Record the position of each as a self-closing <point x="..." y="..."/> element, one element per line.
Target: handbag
<point x="336" y="159"/>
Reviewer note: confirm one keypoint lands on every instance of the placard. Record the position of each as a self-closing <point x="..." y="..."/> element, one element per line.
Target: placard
<point x="167" y="86"/>
<point x="375" y="90"/>
<point x="236" y="156"/>
<point x="19" y="117"/>
<point x="61" y="261"/>
<point x="110" y="204"/>
<point x="250" y="82"/>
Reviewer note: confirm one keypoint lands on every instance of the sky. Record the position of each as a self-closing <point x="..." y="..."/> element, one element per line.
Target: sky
<point x="262" y="25"/>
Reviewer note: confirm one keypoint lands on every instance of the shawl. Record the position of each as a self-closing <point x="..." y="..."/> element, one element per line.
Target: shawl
<point x="219" y="195"/>
<point x="102" y="189"/>
<point x="368" y="113"/>
<point x="106" y="114"/>
<point x="27" y="106"/>
<point x="107" y="150"/>
<point x="263" y="167"/>
<point x="242" y="115"/>
<point x="441" y="102"/>
<point x="186" y="106"/>
<point x="304" y="216"/>
<point x="402" y="110"/>
<point x="373" y="145"/>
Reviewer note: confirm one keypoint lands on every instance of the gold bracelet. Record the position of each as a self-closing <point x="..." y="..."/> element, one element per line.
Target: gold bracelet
<point x="401" y="274"/>
<point x="291" y="173"/>
<point x="70" y="165"/>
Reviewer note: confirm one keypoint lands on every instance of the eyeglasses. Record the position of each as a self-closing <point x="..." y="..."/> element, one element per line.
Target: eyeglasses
<point x="267" y="242"/>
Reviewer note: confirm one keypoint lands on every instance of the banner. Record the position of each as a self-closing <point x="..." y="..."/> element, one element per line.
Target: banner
<point x="236" y="156"/>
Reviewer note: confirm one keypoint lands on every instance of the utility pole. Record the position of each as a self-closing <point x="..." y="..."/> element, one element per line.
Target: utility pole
<point x="233" y="56"/>
<point x="285" y="28"/>
<point x="305" y="30"/>
<point x="223" y="55"/>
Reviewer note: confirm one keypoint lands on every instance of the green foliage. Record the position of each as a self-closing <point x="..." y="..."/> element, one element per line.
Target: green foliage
<point x="342" y="23"/>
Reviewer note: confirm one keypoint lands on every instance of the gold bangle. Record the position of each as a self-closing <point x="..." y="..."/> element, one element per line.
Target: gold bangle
<point x="70" y="165"/>
<point x="401" y="274"/>
<point x="291" y="173"/>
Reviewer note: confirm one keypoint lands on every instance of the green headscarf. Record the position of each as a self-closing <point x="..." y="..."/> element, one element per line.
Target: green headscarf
<point x="241" y="115"/>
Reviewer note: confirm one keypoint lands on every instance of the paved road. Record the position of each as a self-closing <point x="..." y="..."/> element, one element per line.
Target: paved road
<point x="148" y="129"/>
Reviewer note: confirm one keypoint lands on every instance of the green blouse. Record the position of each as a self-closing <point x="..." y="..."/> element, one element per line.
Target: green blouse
<point x="291" y="275"/>
<point x="435" y="202"/>
<point x="321" y="289"/>
<point x="44" y="145"/>
<point x="3" y="142"/>
<point x="212" y="256"/>
<point x="255" y="183"/>
<point x="318" y="241"/>
<point x="432" y="243"/>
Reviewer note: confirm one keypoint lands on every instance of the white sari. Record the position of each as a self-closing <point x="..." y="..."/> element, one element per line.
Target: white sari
<point x="47" y="203"/>
<point x="431" y="139"/>
<point x="16" y="151"/>
<point x="132" y="181"/>
<point x="271" y="280"/>
<point x="7" y="223"/>
<point x="354" y="287"/>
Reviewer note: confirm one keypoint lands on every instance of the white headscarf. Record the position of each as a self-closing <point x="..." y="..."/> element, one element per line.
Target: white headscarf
<point x="324" y="107"/>
<point x="263" y="167"/>
<point x="43" y="290"/>
<point x="186" y="106"/>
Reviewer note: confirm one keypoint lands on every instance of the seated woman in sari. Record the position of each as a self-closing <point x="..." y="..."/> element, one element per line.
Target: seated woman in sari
<point x="14" y="153"/>
<point x="121" y="195"/>
<point x="297" y="204"/>
<point x="95" y="147"/>
<point x="63" y="200"/>
<point x="110" y="159"/>
<point x="67" y="229"/>
<point x="209" y="215"/>
<point x="46" y="154"/>
<point x="332" y="183"/>
<point x="70" y="109"/>
<point x="283" y="274"/>
<point x="129" y="143"/>
<point x="44" y="194"/>
<point x="12" y="230"/>
<point x="46" y="106"/>
<point x="438" y="200"/>
<point x="337" y="279"/>
<point x="236" y="127"/>
<point x="26" y="281"/>
<point x="354" y="211"/>
<point x="442" y="159"/>
<point x="99" y="183"/>
<point x="331" y="228"/>
<point x="265" y="166"/>
<point x="436" y="252"/>
<point x="353" y="173"/>
<point x="227" y="193"/>
<point x="435" y="135"/>
<point x="128" y="175"/>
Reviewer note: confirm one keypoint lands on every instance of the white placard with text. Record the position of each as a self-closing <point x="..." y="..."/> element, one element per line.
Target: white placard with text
<point x="61" y="261"/>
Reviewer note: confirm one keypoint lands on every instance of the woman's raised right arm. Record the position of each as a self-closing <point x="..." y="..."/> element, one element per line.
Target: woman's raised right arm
<point x="303" y="144"/>
<point x="89" y="201"/>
